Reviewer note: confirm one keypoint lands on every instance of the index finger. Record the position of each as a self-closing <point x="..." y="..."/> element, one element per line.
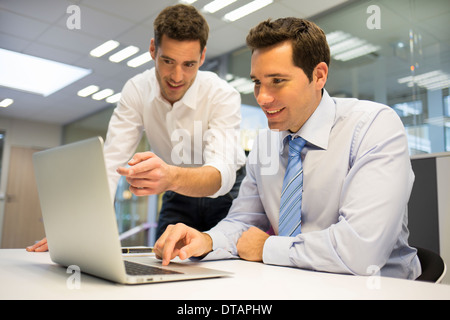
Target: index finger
<point x="144" y="166"/>
<point x="174" y="235"/>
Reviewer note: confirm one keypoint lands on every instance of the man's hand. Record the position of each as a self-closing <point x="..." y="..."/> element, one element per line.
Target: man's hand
<point x="148" y="174"/>
<point x="182" y="241"/>
<point x="40" y="246"/>
<point x="251" y="244"/>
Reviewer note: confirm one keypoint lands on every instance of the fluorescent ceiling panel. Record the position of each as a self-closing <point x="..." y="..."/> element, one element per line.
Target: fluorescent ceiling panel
<point x="344" y="46"/>
<point x="102" y="94"/>
<point x="124" y="54"/>
<point x="114" y="98"/>
<point x="431" y="80"/>
<point x="88" y="91"/>
<point x="6" y="103"/>
<point x="246" y="10"/>
<point x="41" y="76"/>
<point x="140" y="60"/>
<point x="104" y="48"/>
<point x="217" y="5"/>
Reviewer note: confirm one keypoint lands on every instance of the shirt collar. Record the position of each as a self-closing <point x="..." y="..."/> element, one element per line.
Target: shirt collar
<point x="190" y="97"/>
<point x="316" y="131"/>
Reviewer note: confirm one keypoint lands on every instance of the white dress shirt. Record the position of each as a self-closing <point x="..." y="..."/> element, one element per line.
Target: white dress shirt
<point x="357" y="182"/>
<point x="202" y="129"/>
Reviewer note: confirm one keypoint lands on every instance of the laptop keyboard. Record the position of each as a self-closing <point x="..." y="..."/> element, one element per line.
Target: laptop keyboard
<point x="137" y="269"/>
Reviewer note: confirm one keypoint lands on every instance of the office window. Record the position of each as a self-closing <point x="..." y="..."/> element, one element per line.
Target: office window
<point x="392" y="52"/>
<point x="407" y="68"/>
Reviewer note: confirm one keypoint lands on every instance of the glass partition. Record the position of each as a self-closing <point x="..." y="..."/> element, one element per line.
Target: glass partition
<point x="393" y="52"/>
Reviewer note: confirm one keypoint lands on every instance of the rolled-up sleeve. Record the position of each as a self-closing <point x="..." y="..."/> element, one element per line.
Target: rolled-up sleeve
<point x="222" y="149"/>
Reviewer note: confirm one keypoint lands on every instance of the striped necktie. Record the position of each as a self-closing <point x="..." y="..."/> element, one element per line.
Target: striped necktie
<point x="291" y="195"/>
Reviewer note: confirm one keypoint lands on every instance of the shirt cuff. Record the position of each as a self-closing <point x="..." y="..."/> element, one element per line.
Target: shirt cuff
<point x="228" y="178"/>
<point x="220" y="250"/>
<point x="276" y="251"/>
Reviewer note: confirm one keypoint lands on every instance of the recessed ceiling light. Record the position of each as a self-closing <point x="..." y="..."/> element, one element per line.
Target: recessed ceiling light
<point x="6" y="103"/>
<point x="102" y="94"/>
<point x="114" y="98"/>
<point x="187" y="1"/>
<point x="32" y="74"/>
<point x="88" y="91"/>
<point x="217" y="5"/>
<point x="104" y="48"/>
<point x="140" y="60"/>
<point x="123" y="54"/>
<point x="246" y="10"/>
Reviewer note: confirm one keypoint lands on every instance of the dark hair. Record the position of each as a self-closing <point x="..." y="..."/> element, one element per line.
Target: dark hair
<point x="181" y="22"/>
<point x="309" y="42"/>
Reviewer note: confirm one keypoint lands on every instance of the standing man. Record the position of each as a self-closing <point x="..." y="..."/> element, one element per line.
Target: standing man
<point x="343" y="209"/>
<point x="191" y="119"/>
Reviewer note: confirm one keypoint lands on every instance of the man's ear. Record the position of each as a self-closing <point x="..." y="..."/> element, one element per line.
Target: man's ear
<point x="153" y="49"/>
<point x="202" y="58"/>
<point x="320" y="75"/>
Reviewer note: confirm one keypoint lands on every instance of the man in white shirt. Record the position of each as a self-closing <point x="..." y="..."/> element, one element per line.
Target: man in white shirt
<point x="191" y="119"/>
<point x="357" y="175"/>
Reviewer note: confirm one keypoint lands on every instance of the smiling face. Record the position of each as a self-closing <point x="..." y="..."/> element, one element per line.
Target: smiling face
<point x="282" y="89"/>
<point x="176" y="65"/>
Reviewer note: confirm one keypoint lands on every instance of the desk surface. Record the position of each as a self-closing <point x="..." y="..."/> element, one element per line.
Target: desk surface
<point x="25" y="275"/>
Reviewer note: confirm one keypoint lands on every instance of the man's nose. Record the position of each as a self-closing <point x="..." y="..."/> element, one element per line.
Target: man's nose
<point x="177" y="74"/>
<point x="263" y="96"/>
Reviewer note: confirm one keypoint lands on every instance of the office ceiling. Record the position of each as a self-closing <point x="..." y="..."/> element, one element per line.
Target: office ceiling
<point x="39" y="28"/>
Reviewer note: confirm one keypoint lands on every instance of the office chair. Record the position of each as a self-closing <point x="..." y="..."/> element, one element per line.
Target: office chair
<point x="433" y="267"/>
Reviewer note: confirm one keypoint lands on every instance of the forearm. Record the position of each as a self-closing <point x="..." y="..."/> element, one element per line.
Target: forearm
<point x="195" y="182"/>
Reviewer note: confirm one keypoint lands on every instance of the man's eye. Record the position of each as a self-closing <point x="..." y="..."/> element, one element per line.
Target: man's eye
<point x="276" y="81"/>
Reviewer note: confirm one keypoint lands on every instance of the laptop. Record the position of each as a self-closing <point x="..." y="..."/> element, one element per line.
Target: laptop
<point x="80" y="221"/>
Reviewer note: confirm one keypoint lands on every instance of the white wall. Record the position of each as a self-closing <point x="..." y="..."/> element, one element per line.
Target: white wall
<point x="24" y="134"/>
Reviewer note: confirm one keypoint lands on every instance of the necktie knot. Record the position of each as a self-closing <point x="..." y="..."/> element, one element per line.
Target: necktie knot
<point x="295" y="146"/>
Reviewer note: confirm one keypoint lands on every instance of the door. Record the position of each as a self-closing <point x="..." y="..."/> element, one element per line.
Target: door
<point x="22" y="222"/>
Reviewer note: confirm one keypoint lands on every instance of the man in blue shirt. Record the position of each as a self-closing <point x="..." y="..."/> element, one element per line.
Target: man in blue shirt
<point x="357" y="175"/>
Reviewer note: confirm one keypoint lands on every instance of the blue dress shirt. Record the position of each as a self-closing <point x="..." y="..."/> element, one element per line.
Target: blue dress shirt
<point x="357" y="183"/>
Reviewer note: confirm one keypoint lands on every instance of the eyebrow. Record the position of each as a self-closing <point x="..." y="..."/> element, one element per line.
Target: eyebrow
<point x="171" y="59"/>
<point x="272" y="75"/>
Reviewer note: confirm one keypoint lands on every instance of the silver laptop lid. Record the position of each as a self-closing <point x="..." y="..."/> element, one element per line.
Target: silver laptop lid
<point x="77" y="208"/>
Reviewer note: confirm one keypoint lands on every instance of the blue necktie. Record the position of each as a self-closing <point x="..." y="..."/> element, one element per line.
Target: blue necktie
<point x="291" y="194"/>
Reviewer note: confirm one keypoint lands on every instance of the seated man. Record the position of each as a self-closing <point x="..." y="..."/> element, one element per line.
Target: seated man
<point x="348" y="211"/>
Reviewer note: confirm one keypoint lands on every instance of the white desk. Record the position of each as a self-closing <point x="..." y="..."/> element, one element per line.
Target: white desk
<point x="25" y="275"/>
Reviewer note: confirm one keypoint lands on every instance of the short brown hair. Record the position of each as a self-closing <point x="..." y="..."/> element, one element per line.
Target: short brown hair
<point x="309" y="42"/>
<point x="181" y="22"/>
